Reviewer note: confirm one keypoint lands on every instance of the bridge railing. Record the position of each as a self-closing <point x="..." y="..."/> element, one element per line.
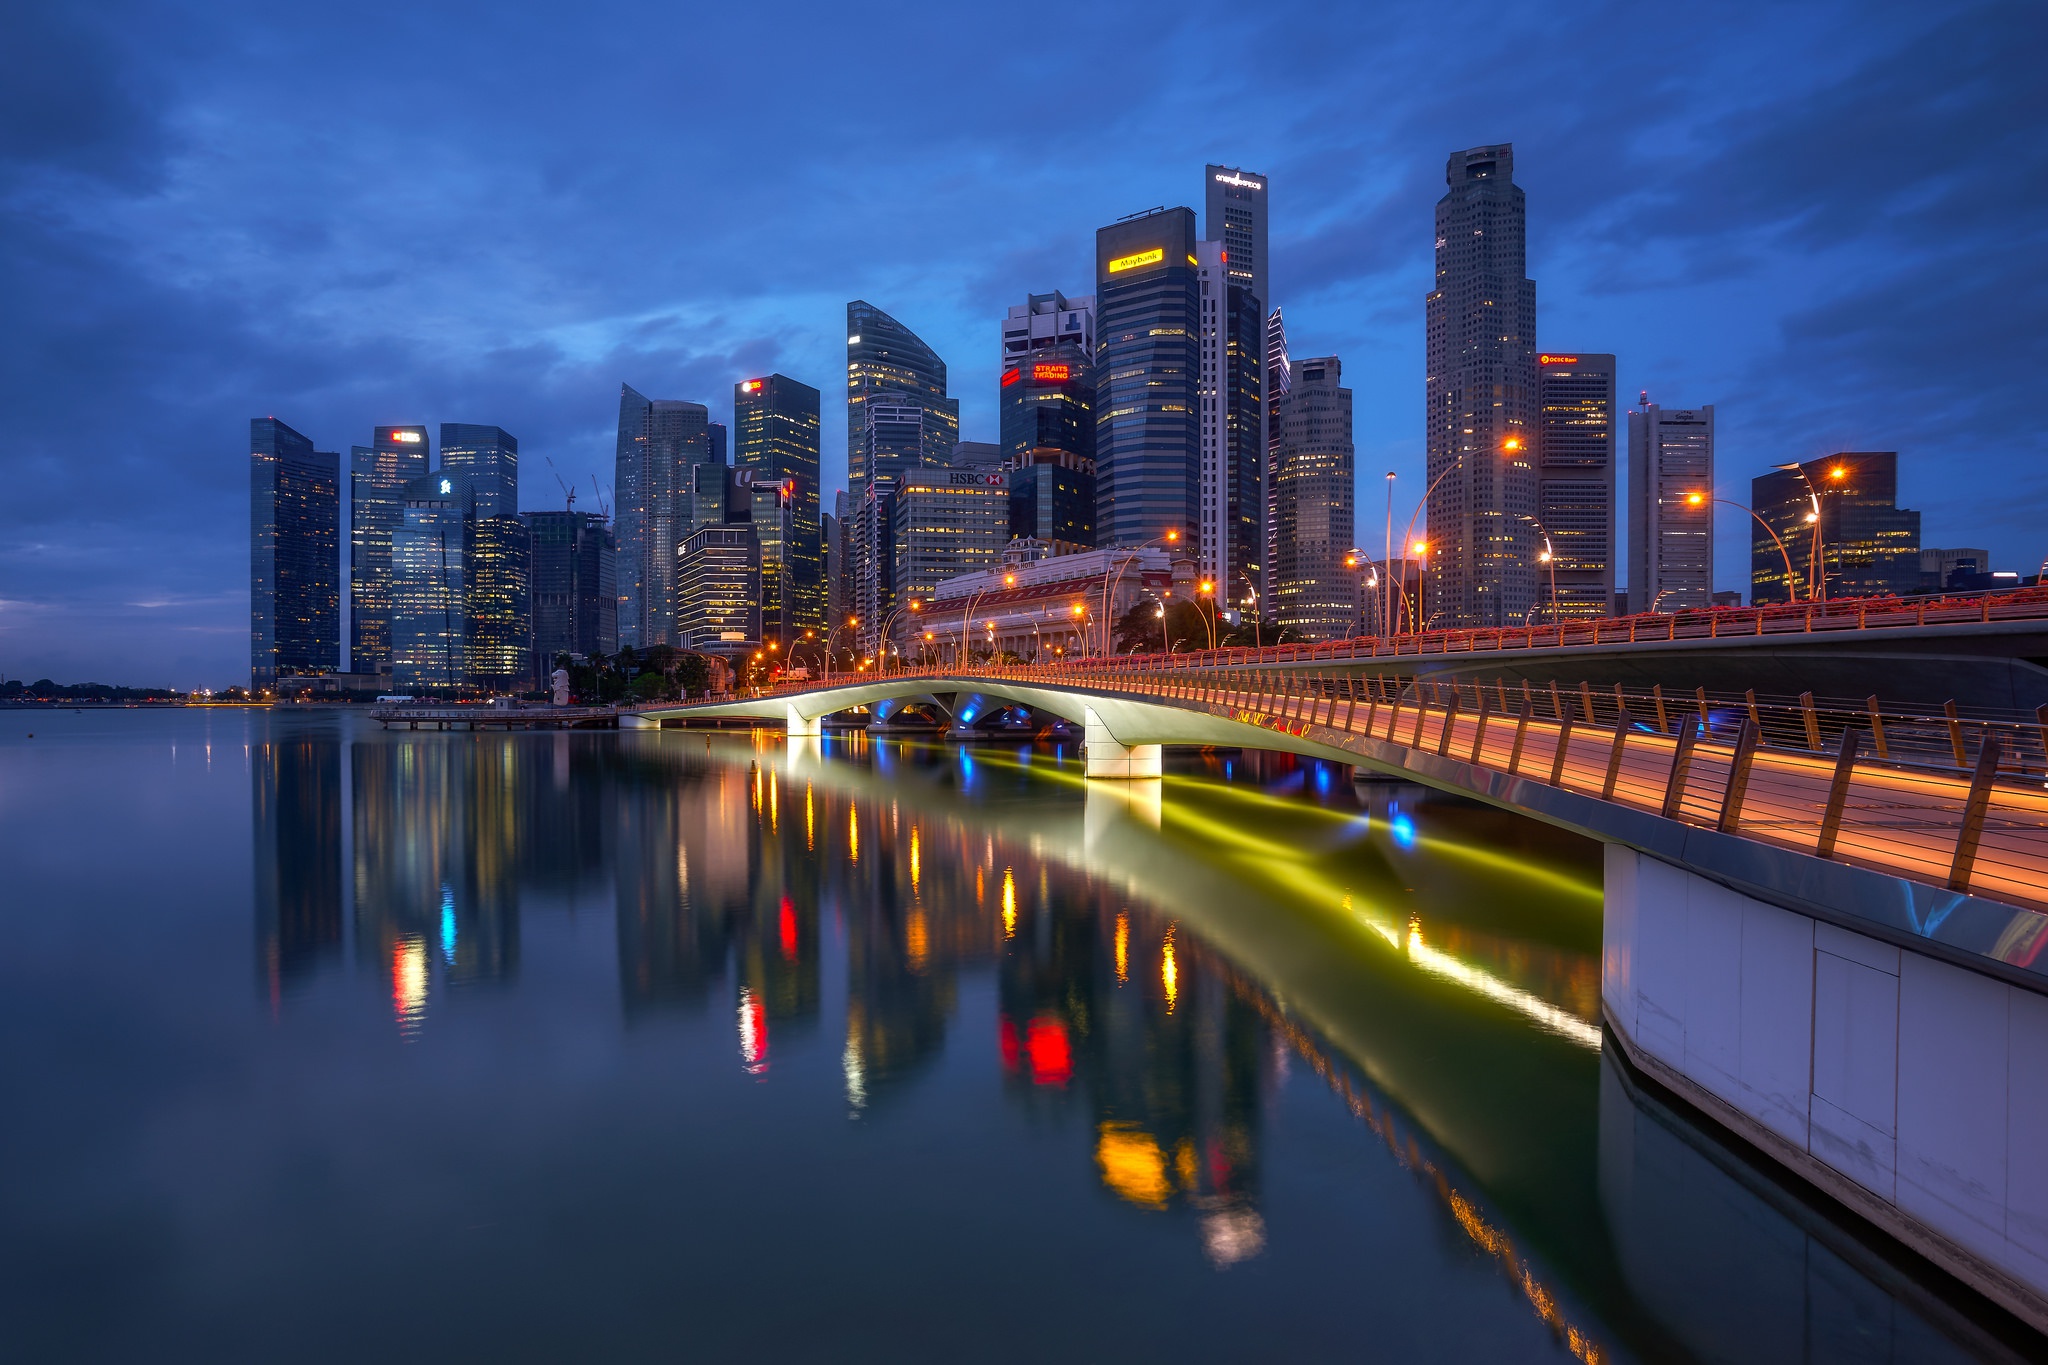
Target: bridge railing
<point x="1956" y="799"/>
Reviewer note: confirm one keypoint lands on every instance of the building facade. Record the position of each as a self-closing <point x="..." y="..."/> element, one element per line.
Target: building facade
<point x="378" y="474"/>
<point x="430" y="560"/>
<point x="1575" y="432"/>
<point x="947" y="522"/>
<point x="1315" y="592"/>
<point x="1670" y="508"/>
<point x="488" y="458"/>
<point x="294" y="555"/>
<point x="1147" y="372"/>
<point x="499" y="606"/>
<point x="661" y="443"/>
<point x="575" y="587"/>
<point x="885" y="357"/>
<point x="1279" y="375"/>
<point x="1863" y="544"/>
<point x="775" y="438"/>
<point x="1045" y="609"/>
<point x="1045" y="321"/>
<point x="1231" y="540"/>
<point x="1480" y="398"/>
<point x="719" y="572"/>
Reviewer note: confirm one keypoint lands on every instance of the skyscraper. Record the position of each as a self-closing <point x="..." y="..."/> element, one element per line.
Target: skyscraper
<point x="719" y="578"/>
<point x="1864" y="544"/>
<point x="499" y="605"/>
<point x="430" y="560"/>
<point x="1147" y="371"/>
<point x="776" y="438"/>
<point x="948" y="522"/>
<point x="1046" y="320"/>
<point x="1671" y="508"/>
<point x="1047" y="402"/>
<point x="1231" y="541"/>
<point x="378" y="474"/>
<point x="1279" y="375"/>
<point x="660" y="441"/>
<point x="294" y="555"/>
<point x="1480" y="398"/>
<point x="1314" y="591"/>
<point x="1575" y="500"/>
<point x="1234" y="213"/>
<point x="884" y="356"/>
<point x="489" y="458"/>
<point x="575" y="592"/>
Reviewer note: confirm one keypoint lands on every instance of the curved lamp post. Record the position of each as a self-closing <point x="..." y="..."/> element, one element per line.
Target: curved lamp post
<point x="1696" y="499"/>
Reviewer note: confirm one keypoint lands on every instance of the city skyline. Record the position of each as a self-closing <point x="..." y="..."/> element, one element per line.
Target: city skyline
<point x="1795" y="373"/>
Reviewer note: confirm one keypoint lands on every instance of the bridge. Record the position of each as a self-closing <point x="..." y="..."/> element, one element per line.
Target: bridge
<point x="1824" y="923"/>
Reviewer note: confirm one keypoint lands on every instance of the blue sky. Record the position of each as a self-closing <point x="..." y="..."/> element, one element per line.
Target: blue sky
<point x="1826" y="219"/>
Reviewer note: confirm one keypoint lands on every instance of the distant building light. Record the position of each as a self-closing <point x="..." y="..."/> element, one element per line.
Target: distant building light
<point x="409" y="437"/>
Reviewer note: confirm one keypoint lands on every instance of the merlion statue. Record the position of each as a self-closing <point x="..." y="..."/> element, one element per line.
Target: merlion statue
<point x="561" y="682"/>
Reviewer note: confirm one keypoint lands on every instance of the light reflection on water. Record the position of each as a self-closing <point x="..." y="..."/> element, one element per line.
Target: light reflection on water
<point x="1231" y="1039"/>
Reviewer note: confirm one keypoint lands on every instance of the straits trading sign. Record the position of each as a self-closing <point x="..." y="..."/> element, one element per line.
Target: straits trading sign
<point x="1136" y="259"/>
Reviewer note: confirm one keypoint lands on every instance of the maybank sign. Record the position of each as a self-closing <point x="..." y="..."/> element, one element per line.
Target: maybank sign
<point x="1243" y="182"/>
<point x="1138" y="258"/>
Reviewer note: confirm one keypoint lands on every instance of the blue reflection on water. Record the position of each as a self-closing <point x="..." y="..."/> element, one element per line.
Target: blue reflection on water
<point x="448" y="924"/>
<point x="1403" y="828"/>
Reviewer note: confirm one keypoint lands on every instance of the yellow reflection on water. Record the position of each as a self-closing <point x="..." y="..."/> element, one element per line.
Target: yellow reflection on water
<point x="810" y="823"/>
<point x="1132" y="1164"/>
<point x="1009" y="904"/>
<point x="852" y="833"/>
<point x="917" y="939"/>
<point x="1169" y="972"/>
<point x="1123" y="949"/>
<point x="915" y="861"/>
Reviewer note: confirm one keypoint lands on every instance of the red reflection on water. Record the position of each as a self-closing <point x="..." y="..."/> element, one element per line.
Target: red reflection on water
<point x="1006" y="1039"/>
<point x="788" y="929"/>
<point x="1052" y="1058"/>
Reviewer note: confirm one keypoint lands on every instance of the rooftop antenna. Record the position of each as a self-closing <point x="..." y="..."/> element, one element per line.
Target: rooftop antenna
<point x="567" y="492"/>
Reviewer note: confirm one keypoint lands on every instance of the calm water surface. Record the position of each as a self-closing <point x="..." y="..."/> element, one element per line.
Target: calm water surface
<point x="321" y="1043"/>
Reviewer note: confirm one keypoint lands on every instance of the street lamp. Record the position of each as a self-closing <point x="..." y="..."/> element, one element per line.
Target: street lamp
<point x="1171" y="538"/>
<point x="1207" y="588"/>
<point x="1816" y="578"/>
<point x="1697" y="499"/>
<point x="850" y="623"/>
<point x="1410" y="531"/>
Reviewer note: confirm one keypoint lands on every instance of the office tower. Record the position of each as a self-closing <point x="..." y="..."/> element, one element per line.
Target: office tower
<point x="1232" y="539"/>
<point x="1279" y="375"/>
<point x="874" y="556"/>
<point x="947" y="522"/>
<point x="716" y="446"/>
<point x="429" y="585"/>
<point x="660" y="442"/>
<point x="489" y="458"/>
<point x="499" y="605"/>
<point x="294" y="555"/>
<point x="775" y="436"/>
<point x="1047" y="406"/>
<point x="1052" y="502"/>
<point x="1480" y="395"/>
<point x="987" y="455"/>
<point x="378" y="474"/>
<point x="884" y="356"/>
<point x="1670" y="508"/>
<point x="718" y="576"/>
<point x="1938" y="566"/>
<point x="1148" y="365"/>
<point x="897" y="440"/>
<point x="1314" y="592"/>
<point x="1043" y="321"/>
<point x="1863" y="545"/>
<point x="575" y="593"/>
<point x="834" y="536"/>
<point x="1575" y="484"/>
<point x="1234" y="214"/>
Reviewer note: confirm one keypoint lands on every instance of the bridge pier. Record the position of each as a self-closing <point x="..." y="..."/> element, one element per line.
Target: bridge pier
<point x="1909" y="1088"/>
<point x="1107" y="757"/>
<point x="804" y="727"/>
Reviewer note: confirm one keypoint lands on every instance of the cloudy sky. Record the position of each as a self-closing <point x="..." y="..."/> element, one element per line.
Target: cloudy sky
<point x="1826" y="219"/>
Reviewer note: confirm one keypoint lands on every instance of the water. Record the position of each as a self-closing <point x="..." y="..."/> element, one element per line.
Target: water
<point x="320" y="1043"/>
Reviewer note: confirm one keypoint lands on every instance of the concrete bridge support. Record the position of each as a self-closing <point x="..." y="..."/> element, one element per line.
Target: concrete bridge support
<point x="1912" y="1090"/>
<point x="1107" y="757"/>
<point x="804" y="727"/>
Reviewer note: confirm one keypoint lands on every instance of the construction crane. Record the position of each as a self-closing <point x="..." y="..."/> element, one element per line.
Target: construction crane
<point x="567" y="492"/>
<point x="602" y="506"/>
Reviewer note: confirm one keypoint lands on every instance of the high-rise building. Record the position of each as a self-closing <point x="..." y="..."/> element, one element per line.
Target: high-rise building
<point x="1938" y="566"/>
<point x="378" y="474"/>
<point x="1863" y="544"/>
<point x="294" y="555"/>
<point x="1670" y="508"/>
<point x="1575" y="488"/>
<point x="1234" y="214"/>
<point x="1231" y="542"/>
<point x="1480" y="398"/>
<point x="1052" y="502"/>
<point x="977" y="455"/>
<point x="1279" y="375"/>
<point x="885" y="357"/>
<point x="1314" y="591"/>
<point x="719" y="578"/>
<point x="717" y="447"/>
<point x="947" y="522"/>
<point x="660" y="442"/>
<point x="776" y="438"/>
<point x="1048" y="430"/>
<point x="430" y="562"/>
<point x="489" y="458"/>
<point x="575" y="592"/>
<point x="499" y="605"/>
<point x="1043" y="321"/>
<point x="1147" y="372"/>
<point x="873" y="584"/>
